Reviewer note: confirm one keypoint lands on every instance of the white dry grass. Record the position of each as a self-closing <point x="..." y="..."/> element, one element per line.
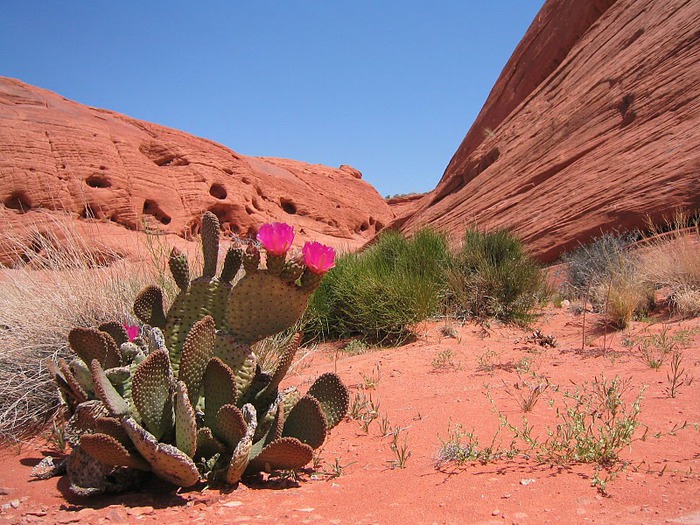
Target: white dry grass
<point x="62" y="283"/>
<point x="672" y="261"/>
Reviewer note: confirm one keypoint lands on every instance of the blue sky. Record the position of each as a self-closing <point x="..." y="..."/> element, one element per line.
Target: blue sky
<point x="389" y="87"/>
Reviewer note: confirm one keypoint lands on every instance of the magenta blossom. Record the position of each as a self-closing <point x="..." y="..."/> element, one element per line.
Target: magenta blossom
<point x="276" y="238"/>
<point x="132" y="331"/>
<point x="318" y="257"/>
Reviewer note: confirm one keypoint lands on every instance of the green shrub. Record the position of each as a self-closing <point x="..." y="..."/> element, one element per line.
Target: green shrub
<point x="492" y="276"/>
<point x="376" y="295"/>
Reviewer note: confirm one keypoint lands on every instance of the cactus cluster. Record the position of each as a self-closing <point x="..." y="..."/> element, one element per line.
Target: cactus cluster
<point x="187" y="399"/>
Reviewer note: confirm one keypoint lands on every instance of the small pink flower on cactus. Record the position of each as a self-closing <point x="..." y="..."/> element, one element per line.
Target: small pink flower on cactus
<point x="318" y="257"/>
<point x="276" y="238"/>
<point x="132" y="331"/>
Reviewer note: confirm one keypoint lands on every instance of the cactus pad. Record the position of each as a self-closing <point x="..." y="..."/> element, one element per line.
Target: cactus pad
<point x="179" y="268"/>
<point x="148" y="306"/>
<point x="210" y="243"/>
<point x="152" y="393"/>
<point x="106" y="392"/>
<point x="238" y="357"/>
<point x="91" y="343"/>
<point x="196" y="353"/>
<point x="185" y="421"/>
<point x="333" y="396"/>
<point x="167" y="461"/>
<point x="109" y="451"/>
<point x="112" y="427"/>
<point x="77" y="391"/>
<point x="307" y="422"/>
<point x="261" y="305"/>
<point x="207" y="444"/>
<point x="219" y="390"/>
<point x="230" y="425"/>
<point x="116" y="330"/>
<point x="287" y="453"/>
<point x="232" y="263"/>
<point x="241" y="454"/>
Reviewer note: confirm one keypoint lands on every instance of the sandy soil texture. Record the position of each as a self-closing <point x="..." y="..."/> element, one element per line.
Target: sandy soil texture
<point x="450" y="375"/>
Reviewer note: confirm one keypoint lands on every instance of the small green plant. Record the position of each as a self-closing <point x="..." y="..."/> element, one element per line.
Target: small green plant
<point x="444" y="360"/>
<point x="461" y="447"/>
<point x="355" y="347"/>
<point x="676" y="376"/>
<point x="596" y="423"/>
<point x="401" y="451"/>
<point x="358" y="406"/>
<point x="492" y="276"/>
<point x="384" y="425"/>
<point x="365" y="410"/>
<point x="654" y="349"/>
<point x="371" y="380"/>
<point x="486" y="361"/>
<point x="330" y="471"/>
<point x="527" y="392"/>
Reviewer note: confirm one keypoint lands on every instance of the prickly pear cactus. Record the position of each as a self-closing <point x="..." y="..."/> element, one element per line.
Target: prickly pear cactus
<point x="192" y="402"/>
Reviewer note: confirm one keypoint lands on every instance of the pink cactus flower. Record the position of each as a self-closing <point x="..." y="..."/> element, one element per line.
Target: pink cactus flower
<point x="318" y="257"/>
<point x="276" y="238"/>
<point x="132" y="331"/>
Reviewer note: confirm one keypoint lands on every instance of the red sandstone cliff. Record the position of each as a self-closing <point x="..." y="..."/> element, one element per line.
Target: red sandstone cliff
<point x="116" y="176"/>
<point x="593" y="124"/>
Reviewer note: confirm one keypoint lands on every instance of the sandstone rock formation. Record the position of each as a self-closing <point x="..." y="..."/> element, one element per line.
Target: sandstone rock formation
<point x="115" y="177"/>
<point x="594" y="124"/>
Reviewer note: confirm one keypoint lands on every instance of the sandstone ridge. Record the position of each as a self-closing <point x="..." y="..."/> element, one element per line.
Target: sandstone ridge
<point x="115" y="177"/>
<point x="593" y="125"/>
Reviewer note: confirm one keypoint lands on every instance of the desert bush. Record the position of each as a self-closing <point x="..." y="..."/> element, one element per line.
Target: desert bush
<point x="672" y="260"/>
<point x="60" y="284"/>
<point x="608" y="273"/>
<point x="624" y="297"/>
<point x="378" y="294"/>
<point x="492" y="276"/>
<point x="594" y="263"/>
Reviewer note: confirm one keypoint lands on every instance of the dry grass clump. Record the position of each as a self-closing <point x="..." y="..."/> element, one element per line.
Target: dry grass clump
<point x="671" y="260"/>
<point x="623" y="298"/>
<point x="607" y="272"/>
<point x="61" y="283"/>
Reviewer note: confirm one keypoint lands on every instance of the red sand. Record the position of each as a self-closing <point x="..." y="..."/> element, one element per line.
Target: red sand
<point x="661" y="484"/>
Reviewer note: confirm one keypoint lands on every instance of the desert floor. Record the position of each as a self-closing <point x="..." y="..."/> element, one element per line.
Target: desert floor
<point x="423" y="389"/>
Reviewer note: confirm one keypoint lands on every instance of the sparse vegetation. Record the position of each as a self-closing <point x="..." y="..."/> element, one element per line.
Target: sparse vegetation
<point x="377" y="295"/>
<point x="60" y="284"/>
<point x="444" y="360"/>
<point x="595" y="422"/>
<point x="671" y="260"/>
<point x="492" y="276"/>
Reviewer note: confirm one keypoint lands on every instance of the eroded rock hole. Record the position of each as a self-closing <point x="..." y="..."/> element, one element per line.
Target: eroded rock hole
<point x="288" y="206"/>
<point x="626" y="109"/>
<point x="218" y="191"/>
<point x="18" y="200"/>
<point x="98" y="181"/>
<point x="152" y="208"/>
<point x="163" y="155"/>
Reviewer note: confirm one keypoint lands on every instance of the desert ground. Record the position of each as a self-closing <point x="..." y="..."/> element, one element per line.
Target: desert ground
<point x="415" y="395"/>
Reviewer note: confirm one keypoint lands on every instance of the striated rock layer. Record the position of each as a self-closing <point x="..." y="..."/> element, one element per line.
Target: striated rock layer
<point x="115" y="177"/>
<point x="594" y="124"/>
